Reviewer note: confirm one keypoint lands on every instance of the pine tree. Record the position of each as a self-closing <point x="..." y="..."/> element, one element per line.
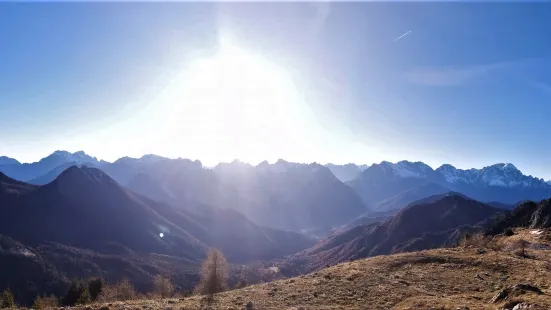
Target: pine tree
<point x="95" y="287"/>
<point x="7" y="300"/>
<point x="45" y="302"/>
<point x="77" y="294"/>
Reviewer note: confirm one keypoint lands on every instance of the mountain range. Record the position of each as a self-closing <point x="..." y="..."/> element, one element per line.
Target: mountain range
<point x="71" y="215"/>
<point x="500" y="182"/>
<point x="84" y="224"/>
<point x="283" y="195"/>
<point x="84" y="207"/>
<point x="407" y="181"/>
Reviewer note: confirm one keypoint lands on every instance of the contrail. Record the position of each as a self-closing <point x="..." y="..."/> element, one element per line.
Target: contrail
<point x="405" y="34"/>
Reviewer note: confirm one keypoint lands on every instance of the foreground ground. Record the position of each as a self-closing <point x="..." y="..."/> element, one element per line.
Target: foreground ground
<point x="457" y="278"/>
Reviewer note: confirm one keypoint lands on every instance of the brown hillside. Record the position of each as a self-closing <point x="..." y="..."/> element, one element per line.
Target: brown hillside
<point x="455" y="278"/>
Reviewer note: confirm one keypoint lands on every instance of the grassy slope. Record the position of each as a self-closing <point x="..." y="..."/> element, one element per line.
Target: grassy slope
<point x="434" y="279"/>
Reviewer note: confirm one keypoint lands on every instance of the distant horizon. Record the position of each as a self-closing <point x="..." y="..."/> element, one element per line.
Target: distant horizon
<point x="466" y="84"/>
<point x="211" y="165"/>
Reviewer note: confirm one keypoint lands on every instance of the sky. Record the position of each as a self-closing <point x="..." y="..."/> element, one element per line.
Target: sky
<point x="462" y="83"/>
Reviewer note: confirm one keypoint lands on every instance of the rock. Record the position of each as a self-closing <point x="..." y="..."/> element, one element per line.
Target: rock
<point x="500" y="295"/>
<point x="521" y="306"/>
<point x="514" y="290"/>
<point x="479" y="277"/>
<point x="527" y="287"/>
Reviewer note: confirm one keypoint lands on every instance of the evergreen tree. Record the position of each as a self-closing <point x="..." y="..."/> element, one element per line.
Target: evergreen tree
<point x="7" y="300"/>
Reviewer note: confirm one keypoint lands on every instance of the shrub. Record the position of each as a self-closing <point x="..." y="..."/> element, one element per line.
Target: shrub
<point x="241" y="283"/>
<point x="121" y="291"/>
<point x="520" y="246"/>
<point x="214" y="274"/>
<point x="7" y="300"/>
<point x="508" y="232"/>
<point x="95" y="287"/>
<point x="474" y="241"/>
<point x="162" y="286"/>
<point x="45" y="302"/>
<point x="77" y="294"/>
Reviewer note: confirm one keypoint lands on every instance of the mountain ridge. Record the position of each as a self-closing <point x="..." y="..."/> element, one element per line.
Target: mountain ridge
<point x="501" y="182"/>
<point x="431" y="223"/>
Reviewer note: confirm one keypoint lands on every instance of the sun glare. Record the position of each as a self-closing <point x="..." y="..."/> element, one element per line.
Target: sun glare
<point x="235" y="105"/>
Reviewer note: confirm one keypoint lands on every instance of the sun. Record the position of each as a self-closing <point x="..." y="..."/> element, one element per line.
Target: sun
<point x="235" y="105"/>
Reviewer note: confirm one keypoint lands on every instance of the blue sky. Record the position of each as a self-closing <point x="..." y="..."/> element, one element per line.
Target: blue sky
<point x="469" y="84"/>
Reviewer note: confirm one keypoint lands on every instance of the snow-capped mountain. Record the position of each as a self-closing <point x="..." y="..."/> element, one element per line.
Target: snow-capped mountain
<point x="501" y="182"/>
<point x="407" y="169"/>
<point x="501" y="175"/>
<point x="78" y="157"/>
<point x="31" y="171"/>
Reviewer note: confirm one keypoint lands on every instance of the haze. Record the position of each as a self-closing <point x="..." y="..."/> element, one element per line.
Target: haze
<point x="466" y="84"/>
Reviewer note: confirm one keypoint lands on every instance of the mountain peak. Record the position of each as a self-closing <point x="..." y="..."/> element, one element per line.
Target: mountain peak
<point x="4" y="160"/>
<point x="83" y="175"/>
<point x="446" y="167"/>
<point x="506" y="166"/>
<point x="78" y="157"/>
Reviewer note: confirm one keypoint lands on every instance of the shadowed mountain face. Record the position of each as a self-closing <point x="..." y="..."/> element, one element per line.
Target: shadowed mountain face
<point x="86" y="208"/>
<point x="434" y="223"/>
<point x="284" y="195"/>
<point x="85" y="224"/>
<point x="411" y="195"/>
<point x="528" y="214"/>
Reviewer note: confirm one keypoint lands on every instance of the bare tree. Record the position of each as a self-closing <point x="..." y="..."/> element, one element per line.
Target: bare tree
<point x="163" y="287"/>
<point x="214" y="274"/>
<point x="520" y="247"/>
<point x="121" y="291"/>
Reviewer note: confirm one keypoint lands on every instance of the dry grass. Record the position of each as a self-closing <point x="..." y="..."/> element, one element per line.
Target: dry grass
<point x="458" y="278"/>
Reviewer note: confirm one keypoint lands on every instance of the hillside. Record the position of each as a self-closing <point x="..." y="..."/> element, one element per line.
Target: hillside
<point x="528" y="214"/>
<point x="447" y="279"/>
<point x="84" y="223"/>
<point x="432" y="223"/>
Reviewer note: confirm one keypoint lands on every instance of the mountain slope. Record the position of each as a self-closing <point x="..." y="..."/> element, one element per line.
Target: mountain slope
<point x="85" y="208"/>
<point x="425" y="225"/>
<point x="283" y="195"/>
<point x="411" y="195"/>
<point x="434" y="279"/>
<point x="528" y="214"/>
<point x="52" y="174"/>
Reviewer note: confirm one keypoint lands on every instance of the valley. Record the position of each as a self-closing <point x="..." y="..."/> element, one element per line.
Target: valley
<point x="138" y="218"/>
